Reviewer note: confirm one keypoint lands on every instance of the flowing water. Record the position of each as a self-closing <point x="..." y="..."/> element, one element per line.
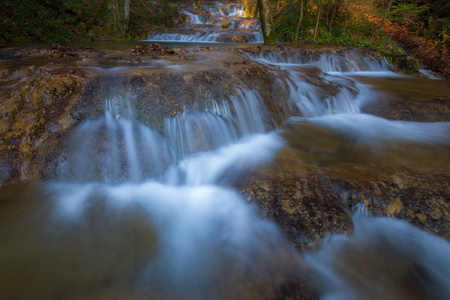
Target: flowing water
<point x="213" y="23"/>
<point x="139" y="214"/>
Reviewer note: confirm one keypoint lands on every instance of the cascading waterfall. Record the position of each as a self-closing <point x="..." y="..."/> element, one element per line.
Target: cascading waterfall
<point x="195" y="19"/>
<point x="178" y="37"/>
<point x="163" y="235"/>
<point x="382" y="258"/>
<point x="348" y="61"/>
<point x="139" y="214"/>
<point x="221" y="123"/>
<point x="114" y="149"/>
<point x="222" y="23"/>
<point x="307" y="98"/>
<point x="202" y="37"/>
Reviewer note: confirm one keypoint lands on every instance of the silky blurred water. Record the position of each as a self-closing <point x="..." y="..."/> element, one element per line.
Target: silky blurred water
<point x="139" y="214"/>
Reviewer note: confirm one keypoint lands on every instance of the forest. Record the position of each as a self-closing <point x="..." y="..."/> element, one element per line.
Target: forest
<point x="420" y="28"/>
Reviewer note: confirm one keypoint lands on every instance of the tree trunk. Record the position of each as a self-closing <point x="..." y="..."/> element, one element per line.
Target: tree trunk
<point x="346" y="15"/>
<point x="255" y="15"/>
<point x="127" y="15"/>
<point x="317" y="21"/>
<point x="299" y="22"/>
<point x="386" y="14"/>
<point x="117" y="17"/>
<point x="331" y="22"/>
<point x="197" y="4"/>
<point x="268" y="28"/>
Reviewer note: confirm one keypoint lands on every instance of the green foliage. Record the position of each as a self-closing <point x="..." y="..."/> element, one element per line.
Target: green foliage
<point x="406" y="13"/>
<point x="68" y="21"/>
<point x="54" y="21"/>
<point x="360" y="31"/>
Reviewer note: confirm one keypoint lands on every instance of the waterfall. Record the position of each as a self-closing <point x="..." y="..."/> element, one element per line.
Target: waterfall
<point x="348" y="61"/>
<point x="114" y="149"/>
<point x="204" y="37"/>
<point x="382" y="257"/>
<point x="139" y="211"/>
<point x="221" y="123"/>
<point x="221" y="23"/>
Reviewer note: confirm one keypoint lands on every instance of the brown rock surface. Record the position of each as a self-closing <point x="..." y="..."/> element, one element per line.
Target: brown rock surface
<point x="44" y="99"/>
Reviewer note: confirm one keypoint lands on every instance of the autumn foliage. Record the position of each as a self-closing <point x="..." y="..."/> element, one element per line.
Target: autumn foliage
<point x="432" y="54"/>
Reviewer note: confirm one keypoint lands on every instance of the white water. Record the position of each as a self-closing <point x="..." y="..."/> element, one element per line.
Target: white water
<point x="180" y="233"/>
<point x="221" y="123"/>
<point x="206" y="234"/>
<point x="201" y="37"/>
<point x="222" y="9"/>
<point x="114" y="149"/>
<point x="213" y="16"/>
<point x="382" y="259"/>
<point x="348" y="61"/>
<point x="179" y="37"/>
<point x="333" y="129"/>
<point x="309" y="100"/>
<point x="376" y="132"/>
<point x="211" y="167"/>
<point x="146" y="240"/>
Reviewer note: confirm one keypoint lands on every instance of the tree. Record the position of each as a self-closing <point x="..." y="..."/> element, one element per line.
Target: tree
<point x="117" y="17"/>
<point x="317" y="21"/>
<point x="346" y="15"/>
<point x="299" y="22"/>
<point x="386" y="14"/>
<point x="330" y="23"/>
<point x="268" y="28"/>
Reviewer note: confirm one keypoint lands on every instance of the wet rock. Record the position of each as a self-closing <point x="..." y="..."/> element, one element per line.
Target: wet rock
<point x="419" y="197"/>
<point x="34" y="108"/>
<point x="61" y="51"/>
<point x="424" y="110"/>
<point x="298" y="198"/>
<point x="78" y="114"/>
<point x="310" y="202"/>
<point x="9" y="168"/>
<point x="153" y="49"/>
<point x="410" y="99"/>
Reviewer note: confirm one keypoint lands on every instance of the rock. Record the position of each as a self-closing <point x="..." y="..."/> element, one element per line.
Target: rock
<point x="79" y="114"/>
<point x="410" y="99"/>
<point x="299" y="198"/>
<point x="310" y="202"/>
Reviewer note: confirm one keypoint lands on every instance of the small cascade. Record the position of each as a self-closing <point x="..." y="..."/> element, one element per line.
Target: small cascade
<point x="213" y="23"/>
<point x="207" y="37"/>
<point x="195" y="19"/>
<point x="219" y="124"/>
<point x="236" y="10"/>
<point x="350" y="61"/>
<point x="364" y="138"/>
<point x="192" y="132"/>
<point x="383" y="256"/>
<point x="341" y="96"/>
<point x="198" y="37"/>
<point x="225" y="9"/>
<point x="308" y="99"/>
<point x="114" y="149"/>
<point x="347" y="61"/>
<point x="225" y="162"/>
